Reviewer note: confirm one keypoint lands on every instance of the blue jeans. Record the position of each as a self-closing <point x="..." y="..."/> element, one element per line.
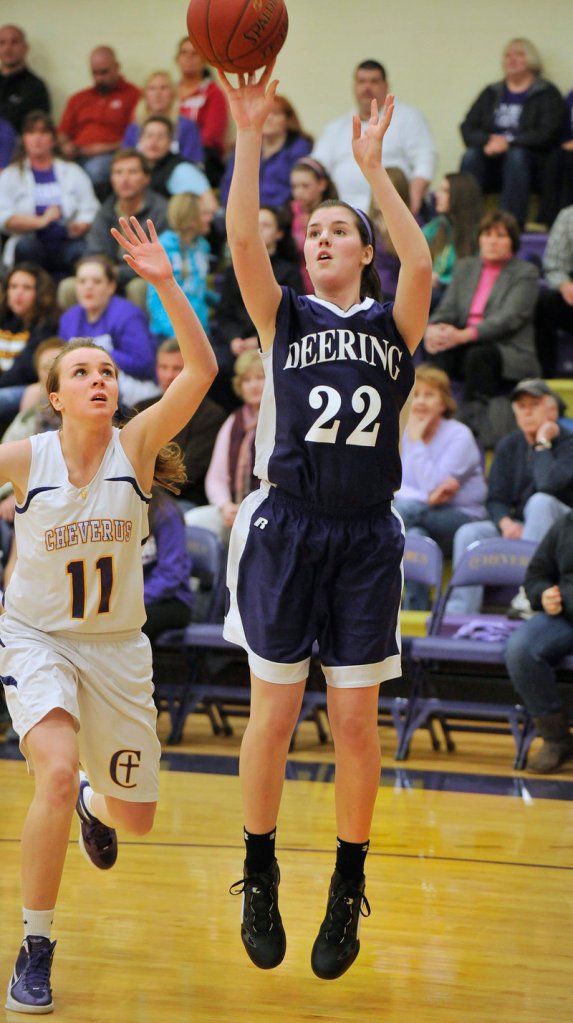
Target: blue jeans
<point x="440" y="522"/>
<point x="540" y="512"/>
<point x="59" y="259"/>
<point x="530" y="655"/>
<point x="510" y="172"/>
<point x="10" y="398"/>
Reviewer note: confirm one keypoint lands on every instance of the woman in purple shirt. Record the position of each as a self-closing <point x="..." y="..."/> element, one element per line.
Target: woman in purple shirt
<point x="115" y="324"/>
<point x="284" y="143"/>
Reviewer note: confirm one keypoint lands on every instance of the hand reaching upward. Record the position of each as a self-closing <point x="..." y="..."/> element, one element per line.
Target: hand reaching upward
<point x="367" y="144"/>
<point x="251" y="101"/>
<point x="144" y="254"/>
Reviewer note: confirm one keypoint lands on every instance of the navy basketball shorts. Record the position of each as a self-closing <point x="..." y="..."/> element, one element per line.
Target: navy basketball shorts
<point x="297" y="576"/>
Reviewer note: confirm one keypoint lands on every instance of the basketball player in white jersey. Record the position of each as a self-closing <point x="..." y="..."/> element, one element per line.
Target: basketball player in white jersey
<point x="75" y="665"/>
<point x="315" y="554"/>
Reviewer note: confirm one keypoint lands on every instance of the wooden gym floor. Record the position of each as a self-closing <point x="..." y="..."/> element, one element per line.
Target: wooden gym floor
<point x="470" y="880"/>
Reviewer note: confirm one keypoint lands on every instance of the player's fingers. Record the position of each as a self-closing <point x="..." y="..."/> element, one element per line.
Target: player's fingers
<point x="152" y="231"/>
<point x="120" y="238"/>
<point x="267" y="72"/>
<point x="138" y="229"/>
<point x="356" y="127"/>
<point x="128" y="230"/>
<point x="224" y="80"/>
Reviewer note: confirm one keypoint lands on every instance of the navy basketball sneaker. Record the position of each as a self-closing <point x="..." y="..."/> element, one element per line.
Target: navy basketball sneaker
<point x="261" y="925"/>
<point x="98" y="842"/>
<point x="29" y="989"/>
<point x="338" y="944"/>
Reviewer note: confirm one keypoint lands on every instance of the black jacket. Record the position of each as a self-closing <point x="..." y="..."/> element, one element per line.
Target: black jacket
<point x="20" y="93"/>
<point x="552" y="564"/>
<point x="518" y="471"/>
<point x="541" y="122"/>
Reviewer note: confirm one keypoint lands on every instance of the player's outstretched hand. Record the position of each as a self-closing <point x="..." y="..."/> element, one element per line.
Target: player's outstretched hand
<point x="144" y="254"/>
<point x="367" y="144"/>
<point x="251" y="101"/>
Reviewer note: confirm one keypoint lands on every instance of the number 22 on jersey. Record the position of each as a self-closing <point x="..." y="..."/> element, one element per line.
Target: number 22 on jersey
<point x="365" y="400"/>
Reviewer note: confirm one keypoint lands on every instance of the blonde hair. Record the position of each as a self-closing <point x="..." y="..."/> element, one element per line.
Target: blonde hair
<point x="534" y="61"/>
<point x="436" y="378"/>
<point x="184" y="214"/>
<point x="142" y="111"/>
<point x="243" y="365"/>
<point x="169" y="471"/>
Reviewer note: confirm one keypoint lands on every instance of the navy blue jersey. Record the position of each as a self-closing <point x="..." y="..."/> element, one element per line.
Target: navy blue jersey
<point x="335" y="385"/>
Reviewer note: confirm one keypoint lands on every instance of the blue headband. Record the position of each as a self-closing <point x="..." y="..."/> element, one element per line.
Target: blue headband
<point x="365" y="221"/>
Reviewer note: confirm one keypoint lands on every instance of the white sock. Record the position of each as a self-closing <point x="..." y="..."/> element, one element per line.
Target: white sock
<point x="37" y="921"/>
<point x="87" y="794"/>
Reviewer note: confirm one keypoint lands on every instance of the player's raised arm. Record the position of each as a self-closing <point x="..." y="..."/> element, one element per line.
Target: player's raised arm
<point x="413" y="294"/>
<point x="161" y="422"/>
<point x="250" y="104"/>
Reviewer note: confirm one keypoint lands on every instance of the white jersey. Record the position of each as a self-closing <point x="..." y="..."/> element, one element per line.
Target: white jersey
<point x="79" y="567"/>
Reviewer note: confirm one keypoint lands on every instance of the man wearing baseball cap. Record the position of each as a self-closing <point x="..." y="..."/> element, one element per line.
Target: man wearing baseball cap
<point x="530" y="484"/>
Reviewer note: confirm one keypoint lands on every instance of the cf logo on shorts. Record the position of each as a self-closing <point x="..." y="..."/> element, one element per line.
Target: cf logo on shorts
<point x="120" y="769"/>
<point x="261" y="523"/>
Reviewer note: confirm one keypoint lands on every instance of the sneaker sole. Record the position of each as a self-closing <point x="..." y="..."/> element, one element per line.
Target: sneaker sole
<point x="263" y="966"/>
<point x="13" y="1006"/>
<point x="87" y="856"/>
<point x="334" y="976"/>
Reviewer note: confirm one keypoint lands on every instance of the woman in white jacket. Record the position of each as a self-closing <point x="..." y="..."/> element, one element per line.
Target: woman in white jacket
<point x="47" y="205"/>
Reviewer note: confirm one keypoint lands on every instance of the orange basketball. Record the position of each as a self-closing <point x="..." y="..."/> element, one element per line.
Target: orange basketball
<point x="237" y="35"/>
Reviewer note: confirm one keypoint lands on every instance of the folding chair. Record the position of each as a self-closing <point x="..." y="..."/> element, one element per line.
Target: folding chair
<point x="183" y="695"/>
<point x="423" y="563"/>
<point x="499" y="563"/>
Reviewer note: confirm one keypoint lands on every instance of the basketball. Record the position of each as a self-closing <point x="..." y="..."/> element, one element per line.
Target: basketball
<point x="237" y="35"/>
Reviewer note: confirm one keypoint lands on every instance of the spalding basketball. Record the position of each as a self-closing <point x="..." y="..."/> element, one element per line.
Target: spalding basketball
<point x="237" y="35"/>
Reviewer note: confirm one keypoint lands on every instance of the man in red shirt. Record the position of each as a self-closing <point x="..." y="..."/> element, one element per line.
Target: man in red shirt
<point x="95" y="119"/>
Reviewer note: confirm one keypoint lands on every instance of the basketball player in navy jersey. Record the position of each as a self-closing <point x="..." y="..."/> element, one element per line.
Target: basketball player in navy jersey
<point x="75" y="665"/>
<point x="316" y="553"/>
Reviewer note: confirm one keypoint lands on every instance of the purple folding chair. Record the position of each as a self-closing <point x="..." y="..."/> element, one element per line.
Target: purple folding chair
<point x="181" y="696"/>
<point x="498" y="563"/>
<point x="422" y="563"/>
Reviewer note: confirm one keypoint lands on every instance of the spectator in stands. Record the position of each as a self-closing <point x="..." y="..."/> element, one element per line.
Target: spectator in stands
<point x="310" y="184"/>
<point x="94" y="120"/>
<point x="36" y="415"/>
<point x="203" y="101"/>
<point x="565" y="163"/>
<point x="188" y="253"/>
<point x="284" y="142"/>
<point x="385" y="257"/>
<point x="443" y="483"/>
<point x="530" y="484"/>
<point x="47" y="205"/>
<point x="234" y="332"/>
<point x="408" y="143"/>
<point x="197" y="438"/>
<point x="166" y="568"/>
<point x="170" y="173"/>
<point x="8" y="143"/>
<point x="537" y="646"/>
<point x="115" y="324"/>
<point x="512" y="132"/>
<point x="132" y="196"/>
<point x="230" y="477"/>
<point x="160" y="99"/>
<point x="482" y="330"/>
<point x="555" y="304"/>
<point x="453" y="233"/>
<point x="28" y="314"/>
<point x="21" y="91"/>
